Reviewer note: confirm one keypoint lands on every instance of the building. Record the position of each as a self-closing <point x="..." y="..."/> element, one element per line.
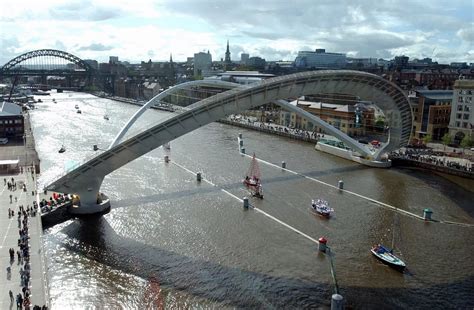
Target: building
<point x="241" y="77"/>
<point x="342" y="117"/>
<point x="114" y="60"/>
<point x="244" y="58"/>
<point x="320" y="59"/>
<point x="151" y="89"/>
<point x="256" y="63"/>
<point x="11" y="121"/>
<point x="461" y="122"/>
<point x="433" y="113"/>
<point x="93" y="63"/>
<point x="202" y="63"/>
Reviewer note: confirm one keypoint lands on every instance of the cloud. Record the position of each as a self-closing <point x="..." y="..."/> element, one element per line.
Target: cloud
<point x="271" y="29"/>
<point x="95" y="47"/>
<point x="84" y="10"/>
<point x="467" y="33"/>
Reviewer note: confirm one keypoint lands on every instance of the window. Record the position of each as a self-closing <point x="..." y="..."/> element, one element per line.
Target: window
<point x="460" y="107"/>
<point x="464" y="125"/>
<point x="465" y="116"/>
<point x="458" y="116"/>
<point x="458" y="124"/>
<point x="466" y="108"/>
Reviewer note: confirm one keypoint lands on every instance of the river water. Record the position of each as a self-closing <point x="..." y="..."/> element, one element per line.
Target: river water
<point x="170" y="242"/>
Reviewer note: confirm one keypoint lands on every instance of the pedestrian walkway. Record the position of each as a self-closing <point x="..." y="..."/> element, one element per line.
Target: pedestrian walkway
<point x="23" y="273"/>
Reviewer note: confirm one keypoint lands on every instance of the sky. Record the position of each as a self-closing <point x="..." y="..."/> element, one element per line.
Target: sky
<point x="139" y="30"/>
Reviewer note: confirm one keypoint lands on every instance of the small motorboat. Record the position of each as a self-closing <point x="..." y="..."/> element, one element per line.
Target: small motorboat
<point x="79" y="111"/>
<point x="321" y="207"/>
<point x="386" y="256"/>
<point x="76" y="106"/>
<point x="62" y="149"/>
<point x="106" y="117"/>
<point x="39" y="100"/>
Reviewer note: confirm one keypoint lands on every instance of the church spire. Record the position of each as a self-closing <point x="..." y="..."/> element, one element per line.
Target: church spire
<point x="171" y="58"/>
<point x="227" y="54"/>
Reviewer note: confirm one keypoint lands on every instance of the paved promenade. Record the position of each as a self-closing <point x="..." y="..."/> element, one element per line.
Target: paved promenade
<point x="10" y="227"/>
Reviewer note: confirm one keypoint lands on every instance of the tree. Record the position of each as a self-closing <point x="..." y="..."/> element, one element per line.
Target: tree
<point x="427" y="139"/>
<point x="466" y="142"/>
<point x="446" y="139"/>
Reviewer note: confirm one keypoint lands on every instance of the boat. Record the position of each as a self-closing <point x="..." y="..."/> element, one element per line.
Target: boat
<point x="252" y="180"/>
<point x="76" y="106"/>
<point x="39" y="100"/>
<point x="167" y="146"/>
<point x="386" y="256"/>
<point x="62" y="149"/>
<point x="79" y="111"/>
<point x="106" y="115"/>
<point x="321" y="207"/>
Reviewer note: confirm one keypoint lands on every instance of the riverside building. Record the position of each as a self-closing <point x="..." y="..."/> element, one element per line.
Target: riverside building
<point x="461" y="122"/>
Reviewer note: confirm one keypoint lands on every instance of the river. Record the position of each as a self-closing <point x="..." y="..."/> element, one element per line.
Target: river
<point x="172" y="242"/>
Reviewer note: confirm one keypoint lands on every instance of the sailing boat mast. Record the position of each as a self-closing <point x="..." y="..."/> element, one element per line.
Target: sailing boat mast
<point x="254" y="170"/>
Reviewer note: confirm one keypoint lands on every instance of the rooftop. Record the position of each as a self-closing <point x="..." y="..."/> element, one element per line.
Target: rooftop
<point x="436" y="94"/>
<point x="9" y="109"/>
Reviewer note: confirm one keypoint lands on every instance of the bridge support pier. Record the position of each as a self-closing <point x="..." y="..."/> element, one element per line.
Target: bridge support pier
<point x="90" y="201"/>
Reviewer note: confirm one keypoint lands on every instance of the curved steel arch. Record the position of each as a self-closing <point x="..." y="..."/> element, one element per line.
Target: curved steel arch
<point x="46" y="52"/>
<point x="160" y="96"/>
<point x="86" y="179"/>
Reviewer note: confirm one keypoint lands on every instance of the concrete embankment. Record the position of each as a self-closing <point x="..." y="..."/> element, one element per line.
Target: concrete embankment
<point x="266" y="129"/>
<point x="401" y="162"/>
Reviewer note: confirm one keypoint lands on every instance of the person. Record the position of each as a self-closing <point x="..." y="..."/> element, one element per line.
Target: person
<point x="11" y="296"/>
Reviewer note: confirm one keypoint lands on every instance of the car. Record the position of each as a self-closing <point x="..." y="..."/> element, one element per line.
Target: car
<point x="3" y="140"/>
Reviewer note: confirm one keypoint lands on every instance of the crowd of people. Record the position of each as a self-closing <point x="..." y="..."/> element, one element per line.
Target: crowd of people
<point x="22" y="298"/>
<point x="55" y="201"/>
<point x="278" y="128"/>
<point x="434" y="158"/>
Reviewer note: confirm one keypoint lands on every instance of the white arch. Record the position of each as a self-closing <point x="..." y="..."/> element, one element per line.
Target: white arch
<point x="86" y="179"/>
<point x="162" y="95"/>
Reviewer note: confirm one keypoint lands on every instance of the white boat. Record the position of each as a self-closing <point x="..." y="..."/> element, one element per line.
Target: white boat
<point x="386" y="255"/>
<point x="321" y="207"/>
<point x="106" y="117"/>
<point x="79" y="111"/>
<point x="76" y="106"/>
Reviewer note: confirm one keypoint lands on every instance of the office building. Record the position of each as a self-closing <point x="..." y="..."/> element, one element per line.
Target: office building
<point x="202" y="63"/>
<point x="320" y="59"/>
<point x="461" y="122"/>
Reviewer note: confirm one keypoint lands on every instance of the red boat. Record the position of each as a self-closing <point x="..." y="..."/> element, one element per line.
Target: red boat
<point x="252" y="180"/>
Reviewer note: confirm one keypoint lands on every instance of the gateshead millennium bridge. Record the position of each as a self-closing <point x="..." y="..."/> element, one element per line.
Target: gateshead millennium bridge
<point x="85" y="180"/>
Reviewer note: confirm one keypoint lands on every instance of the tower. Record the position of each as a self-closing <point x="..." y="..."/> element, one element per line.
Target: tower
<point x="227" y="54"/>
